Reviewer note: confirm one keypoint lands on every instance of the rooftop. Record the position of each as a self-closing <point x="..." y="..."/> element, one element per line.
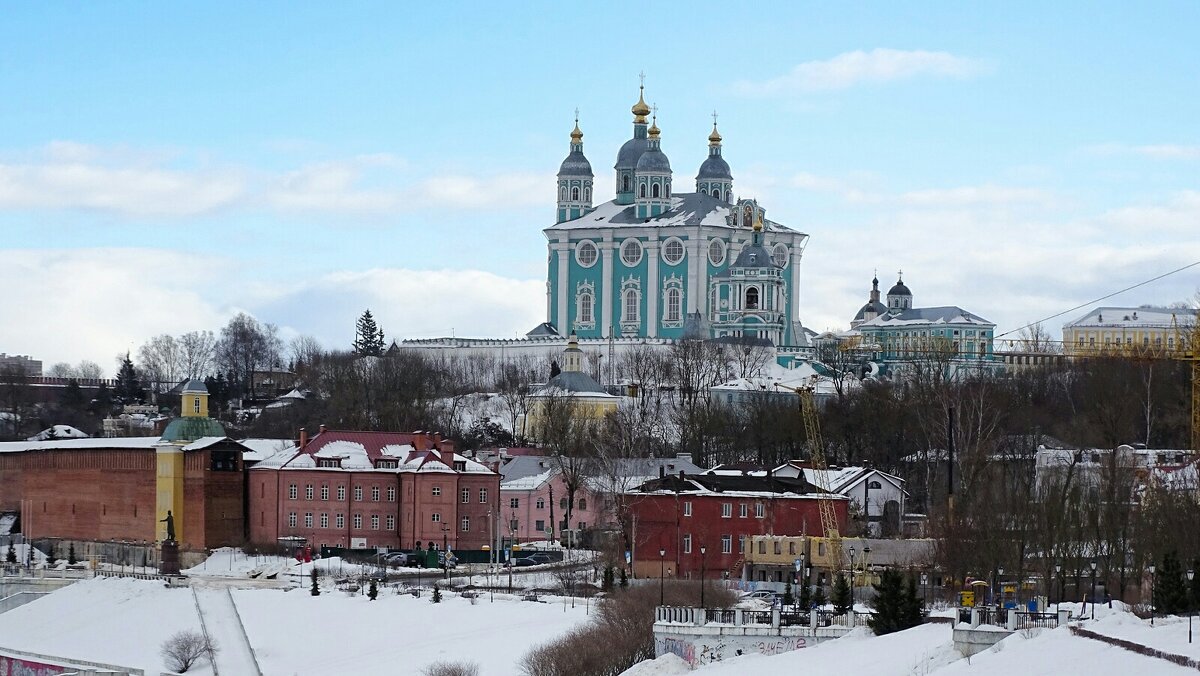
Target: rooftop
<point x="686" y="209"/>
<point x="949" y="314"/>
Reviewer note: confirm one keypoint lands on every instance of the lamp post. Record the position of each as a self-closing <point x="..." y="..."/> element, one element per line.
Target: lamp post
<point x="1190" y="574"/>
<point x="1000" y="585"/>
<point x="925" y="588"/>
<point x="1093" y="565"/>
<point x="445" y="551"/>
<point x="1151" y="594"/>
<point x="866" y="553"/>
<point x="702" y="550"/>
<point x="852" y="551"/>
<point x="1058" y="574"/>
<point x="662" y="576"/>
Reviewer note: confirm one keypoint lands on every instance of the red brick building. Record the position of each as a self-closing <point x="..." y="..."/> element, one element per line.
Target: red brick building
<point x="681" y="513"/>
<point x="373" y="489"/>
<point x="105" y="489"/>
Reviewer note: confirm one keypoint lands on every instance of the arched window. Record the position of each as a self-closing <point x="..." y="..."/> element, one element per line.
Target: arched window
<point x="752" y="298"/>
<point x="674" y="301"/>
<point x="667" y="193"/>
<point x="562" y="193"/>
<point x="654" y="190"/>
<point x="625" y="183"/>
<point x="629" y="306"/>
<point x="587" y="194"/>
<point x="575" y="194"/>
<point x="585" y="308"/>
<point x="716" y="193"/>
<point x="642" y="191"/>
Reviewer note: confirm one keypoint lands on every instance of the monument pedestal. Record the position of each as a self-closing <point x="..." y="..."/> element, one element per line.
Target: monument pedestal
<point x="168" y="562"/>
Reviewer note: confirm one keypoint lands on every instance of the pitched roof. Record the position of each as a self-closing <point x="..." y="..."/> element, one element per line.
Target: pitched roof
<point x="686" y="209"/>
<point x="362" y="451"/>
<point x="949" y="314"/>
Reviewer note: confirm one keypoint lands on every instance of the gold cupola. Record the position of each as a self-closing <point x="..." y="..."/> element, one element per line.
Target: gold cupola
<point x="714" y="139"/>
<point x="653" y="131"/>
<point x="640" y="110"/>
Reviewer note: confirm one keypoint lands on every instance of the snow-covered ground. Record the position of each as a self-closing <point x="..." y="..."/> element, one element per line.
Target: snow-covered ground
<point x="929" y="650"/>
<point x="125" y="621"/>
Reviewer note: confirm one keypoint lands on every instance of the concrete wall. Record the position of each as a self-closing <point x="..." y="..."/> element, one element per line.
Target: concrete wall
<point x="698" y="642"/>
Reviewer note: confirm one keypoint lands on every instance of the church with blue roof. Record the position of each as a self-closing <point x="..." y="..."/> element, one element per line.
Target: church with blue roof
<point x="659" y="263"/>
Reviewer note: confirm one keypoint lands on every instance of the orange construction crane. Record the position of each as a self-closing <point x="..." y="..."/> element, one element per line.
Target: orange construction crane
<point x="816" y="447"/>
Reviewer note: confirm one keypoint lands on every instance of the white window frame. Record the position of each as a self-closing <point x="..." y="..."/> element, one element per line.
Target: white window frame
<point x="465" y="496"/>
<point x="374" y="493"/>
<point x="465" y="524"/>
<point x="720" y="244"/>
<point x="436" y="491"/>
<point x="357" y="521"/>
<point x="391" y="522"/>
<point x="781" y="250"/>
<point x="687" y="543"/>
<point x="358" y="493"/>
<point x="341" y="493"/>
<point x="687" y="508"/>
<point x="760" y="510"/>
<point x="324" y="520"/>
<point x="726" y="510"/>
<point x="483" y="496"/>
<point x="627" y="245"/>
<point x="727" y="544"/>
<point x="743" y="511"/>
<point x="436" y="517"/>
<point x="580" y="246"/>
<point x="293" y="492"/>
<point x="391" y="494"/>
<point x="672" y="241"/>
<point x="339" y="521"/>
<point x="374" y="522"/>
<point x="291" y="519"/>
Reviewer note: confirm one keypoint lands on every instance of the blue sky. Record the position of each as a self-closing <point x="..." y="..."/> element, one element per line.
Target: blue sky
<point x="163" y="166"/>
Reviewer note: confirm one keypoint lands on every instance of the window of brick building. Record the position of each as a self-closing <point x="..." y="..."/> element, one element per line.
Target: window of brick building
<point x="726" y="544"/>
<point x="514" y="502"/>
<point x="308" y="492"/>
<point x="293" y="492"/>
<point x="308" y="520"/>
<point x="324" y="492"/>
<point x="324" y="520"/>
<point x="483" y="496"/>
<point x="358" y="493"/>
<point x="436" y="491"/>
<point x="726" y="510"/>
<point x="374" y="493"/>
<point x="357" y="521"/>
<point x="341" y="494"/>
<point x="291" y="519"/>
<point x="391" y="494"/>
<point x="339" y="521"/>
<point x="466" y="524"/>
<point x="465" y="495"/>
<point x="374" y="522"/>
<point x="436" y="517"/>
<point x="391" y="522"/>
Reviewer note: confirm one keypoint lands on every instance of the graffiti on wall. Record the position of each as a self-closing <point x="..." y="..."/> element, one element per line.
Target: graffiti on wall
<point x="706" y="650"/>
<point x="14" y="666"/>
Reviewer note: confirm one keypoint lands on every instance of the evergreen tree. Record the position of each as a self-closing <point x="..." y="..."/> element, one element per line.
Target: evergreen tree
<point x="368" y="337"/>
<point x="129" y="387"/>
<point x="818" y="597"/>
<point x="843" y="600"/>
<point x="12" y="553"/>
<point x="1170" y="589"/>
<point x="372" y="591"/>
<point x="52" y="555"/>
<point x="72" y="397"/>
<point x="608" y="579"/>
<point x="914" y="605"/>
<point x="788" y="598"/>
<point x="316" y="589"/>
<point x="624" y="579"/>
<point x="71" y="560"/>
<point x="806" y="599"/>
<point x="218" y="393"/>
<point x="554" y="369"/>
<point x="101" y="405"/>
<point x="893" y="604"/>
<point x="437" y="594"/>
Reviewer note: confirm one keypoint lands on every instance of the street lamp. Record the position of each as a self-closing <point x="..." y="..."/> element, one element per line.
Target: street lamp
<point x="445" y="551"/>
<point x="1191" y="573"/>
<point x="925" y="588"/>
<point x="662" y="576"/>
<point x="866" y="554"/>
<point x="1151" y="594"/>
<point x="1058" y="574"/>
<point x="852" y="550"/>
<point x="1000" y="583"/>
<point x="702" y="550"/>
<point x="1093" y="565"/>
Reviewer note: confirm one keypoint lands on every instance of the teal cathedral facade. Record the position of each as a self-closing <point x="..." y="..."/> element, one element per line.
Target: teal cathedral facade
<point x="656" y="262"/>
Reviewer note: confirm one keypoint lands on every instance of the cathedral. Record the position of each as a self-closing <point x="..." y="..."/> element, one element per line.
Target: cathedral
<point x="658" y="263"/>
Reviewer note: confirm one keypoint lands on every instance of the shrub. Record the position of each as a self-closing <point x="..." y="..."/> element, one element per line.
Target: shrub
<point x="316" y="587"/>
<point x="185" y="648"/>
<point x="608" y="579"/>
<point x="897" y="606"/>
<point x="451" y="669"/>
<point x="437" y="594"/>
<point x="372" y="591"/>
<point x="11" y="557"/>
<point x="620" y="635"/>
<point x="71" y="555"/>
<point x="788" y="598"/>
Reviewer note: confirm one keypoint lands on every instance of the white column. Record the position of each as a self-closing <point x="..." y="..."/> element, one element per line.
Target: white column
<point x="607" y="293"/>
<point x="564" y="258"/>
<point x="693" y="276"/>
<point x="653" y="288"/>
<point x="700" y="255"/>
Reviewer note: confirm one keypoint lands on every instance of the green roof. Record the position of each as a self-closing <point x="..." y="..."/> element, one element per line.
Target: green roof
<point x="189" y="429"/>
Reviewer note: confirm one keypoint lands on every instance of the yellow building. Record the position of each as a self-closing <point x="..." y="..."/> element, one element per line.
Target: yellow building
<point x="572" y="395"/>
<point x="192" y="424"/>
<point x="1107" y="329"/>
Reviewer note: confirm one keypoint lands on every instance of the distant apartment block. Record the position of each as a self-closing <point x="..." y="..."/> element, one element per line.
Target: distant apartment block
<point x="30" y="367"/>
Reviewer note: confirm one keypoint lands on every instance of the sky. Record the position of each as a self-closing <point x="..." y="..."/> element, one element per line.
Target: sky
<point x="164" y="166"/>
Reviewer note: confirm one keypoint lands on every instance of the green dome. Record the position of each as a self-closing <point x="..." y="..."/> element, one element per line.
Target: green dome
<point x="189" y="429"/>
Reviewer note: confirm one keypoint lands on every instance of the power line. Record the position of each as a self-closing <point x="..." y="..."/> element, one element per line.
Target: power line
<point x="1097" y="300"/>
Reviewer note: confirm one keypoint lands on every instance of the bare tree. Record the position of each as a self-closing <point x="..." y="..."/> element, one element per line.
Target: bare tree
<point x="451" y="669"/>
<point x="184" y="648"/>
<point x="158" y="361"/>
<point x="247" y="345"/>
<point x="197" y="352"/>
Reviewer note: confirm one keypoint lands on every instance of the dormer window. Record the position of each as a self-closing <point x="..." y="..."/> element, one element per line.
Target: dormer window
<point x="460" y="465"/>
<point x="329" y="462"/>
<point x="387" y="464"/>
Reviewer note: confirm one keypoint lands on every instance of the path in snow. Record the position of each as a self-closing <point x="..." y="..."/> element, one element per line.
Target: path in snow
<point x="220" y="619"/>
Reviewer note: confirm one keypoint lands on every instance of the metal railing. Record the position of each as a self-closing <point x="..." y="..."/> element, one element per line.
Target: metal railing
<point x="1026" y="620"/>
<point x="756" y="617"/>
<point x="720" y="615"/>
<point x="794" y="618"/>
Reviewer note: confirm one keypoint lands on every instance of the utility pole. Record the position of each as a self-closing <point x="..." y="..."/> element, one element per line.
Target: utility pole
<point x="950" y="463"/>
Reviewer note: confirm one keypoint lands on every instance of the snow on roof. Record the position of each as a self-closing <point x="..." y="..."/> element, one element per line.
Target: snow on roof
<point x="7" y="521"/>
<point x="79" y="444"/>
<point x="949" y="314"/>
<point x="686" y="209"/>
<point x="1145" y="316"/>
<point x="352" y="454"/>
<point x="59" y="432"/>
<point x="527" y="483"/>
<point x="260" y="449"/>
<point x="397" y="450"/>
<point x="205" y="442"/>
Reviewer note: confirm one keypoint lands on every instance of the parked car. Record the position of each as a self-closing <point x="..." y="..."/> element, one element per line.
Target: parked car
<point x="396" y="559"/>
<point x="532" y="560"/>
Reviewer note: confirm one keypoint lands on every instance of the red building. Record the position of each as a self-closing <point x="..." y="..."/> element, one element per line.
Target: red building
<point x="679" y="514"/>
<point x="373" y="489"/>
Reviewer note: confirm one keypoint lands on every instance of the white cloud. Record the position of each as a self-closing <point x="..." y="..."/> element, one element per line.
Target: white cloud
<point x="987" y="194"/>
<point x="96" y="303"/>
<point x="859" y="67"/>
<point x="65" y="175"/>
<point x="70" y="177"/>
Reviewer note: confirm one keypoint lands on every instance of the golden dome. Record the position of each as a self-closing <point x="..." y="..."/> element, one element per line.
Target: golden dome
<point x="758" y="226"/>
<point x="653" y="131"/>
<point x="640" y="110"/>
<point x="576" y="134"/>
<point x="714" y="138"/>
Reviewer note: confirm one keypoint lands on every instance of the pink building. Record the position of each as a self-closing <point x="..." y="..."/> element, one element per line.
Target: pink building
<point x="533" y="495"/>
<point x="373" y="489"/>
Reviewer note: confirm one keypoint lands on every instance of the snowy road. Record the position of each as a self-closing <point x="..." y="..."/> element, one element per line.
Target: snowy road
<point x="220" y="619"/>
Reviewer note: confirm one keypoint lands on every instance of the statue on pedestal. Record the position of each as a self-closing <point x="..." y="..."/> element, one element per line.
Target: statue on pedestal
<point x="170" y="521"/>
